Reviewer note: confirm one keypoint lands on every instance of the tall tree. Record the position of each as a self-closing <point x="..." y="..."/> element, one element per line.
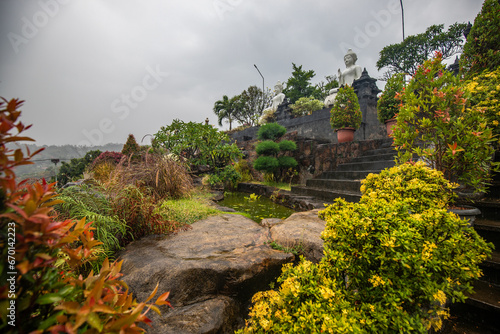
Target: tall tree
<point x="482" y="49"/>
<point x="76" y="167"/>
<point x="323" y="88"/>
<point x="406" y="56"/>
<point x="250" y="106"/>
<point x="299" y="85"/>
<point x="226" y="109"/>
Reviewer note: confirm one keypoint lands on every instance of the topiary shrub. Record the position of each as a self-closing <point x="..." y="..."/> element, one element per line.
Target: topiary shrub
<point x="271" y="158"/>
<point x="345" y="111"/>
<point x="271" y="131"/>
<point x="287" y="145"/>
<point x="387" y="104"/>
<point x="267" y="147"/>
<point x="266" y="164"/>
<point x="287" y="162"/>
<point x="389" y="266"/>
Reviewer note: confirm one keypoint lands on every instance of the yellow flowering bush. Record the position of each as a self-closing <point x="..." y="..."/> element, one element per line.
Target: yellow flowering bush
<point x="389" y="263"/>
<point x="416" y="184"/>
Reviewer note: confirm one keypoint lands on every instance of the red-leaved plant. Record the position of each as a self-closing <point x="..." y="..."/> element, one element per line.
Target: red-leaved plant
<point x="46" y="297"/>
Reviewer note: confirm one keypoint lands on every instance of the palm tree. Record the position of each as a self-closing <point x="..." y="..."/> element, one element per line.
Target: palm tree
<point x="226" y="108"/>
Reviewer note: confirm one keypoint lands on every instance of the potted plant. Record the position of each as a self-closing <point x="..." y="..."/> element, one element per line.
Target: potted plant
<point x="345" y="114"/>
<point x="436" y="125"/>
<point x="387" y="104"/>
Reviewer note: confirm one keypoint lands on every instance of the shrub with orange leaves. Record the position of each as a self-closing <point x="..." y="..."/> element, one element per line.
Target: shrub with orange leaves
<point x="436" y="123"/>
<point x="44" y="298"/>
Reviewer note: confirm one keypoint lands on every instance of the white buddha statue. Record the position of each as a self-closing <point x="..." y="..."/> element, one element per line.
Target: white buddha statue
<point x="279" y="97"/>
<point x="352" y="71"/>
<point x="330" y="99"/>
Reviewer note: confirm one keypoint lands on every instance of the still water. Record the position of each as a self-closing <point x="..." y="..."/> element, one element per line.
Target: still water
<point x="255" y="208"/>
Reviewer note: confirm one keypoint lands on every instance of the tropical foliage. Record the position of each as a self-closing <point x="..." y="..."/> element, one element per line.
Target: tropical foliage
<point x="226" y="109"/>
<point x="199" y="144"/>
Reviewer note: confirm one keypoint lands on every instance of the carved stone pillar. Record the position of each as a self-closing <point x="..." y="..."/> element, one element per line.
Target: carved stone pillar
<point x="367" y="91"/>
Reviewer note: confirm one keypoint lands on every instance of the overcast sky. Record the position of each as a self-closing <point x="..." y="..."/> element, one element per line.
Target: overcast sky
<point x="93" y="71"/>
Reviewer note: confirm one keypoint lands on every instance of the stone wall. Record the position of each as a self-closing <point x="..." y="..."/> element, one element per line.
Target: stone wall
<point x="315" y="156"/>
<point x="317" y="125"/>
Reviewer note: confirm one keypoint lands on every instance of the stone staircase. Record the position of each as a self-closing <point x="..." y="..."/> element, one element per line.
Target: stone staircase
<point x="481" y="311"/>
<point x="345" y="181"/>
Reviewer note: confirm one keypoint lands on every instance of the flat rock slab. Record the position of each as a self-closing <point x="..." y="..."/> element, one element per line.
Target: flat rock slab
<point x="225" y="255"/>
<point x="301" y="229"/>
<point x="215" y="315"/>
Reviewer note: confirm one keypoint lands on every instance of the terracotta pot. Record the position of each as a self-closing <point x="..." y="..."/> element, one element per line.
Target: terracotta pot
<point x="466" y="212"/>
<point x="389" y="125"/>
<point x="345" y="135"/>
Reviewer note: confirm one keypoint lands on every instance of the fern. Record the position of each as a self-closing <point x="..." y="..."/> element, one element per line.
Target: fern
<point x="88" y="202"/>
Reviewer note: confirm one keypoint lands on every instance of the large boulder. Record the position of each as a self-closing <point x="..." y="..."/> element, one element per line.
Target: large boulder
<point x="301" y="230"/>
<point x="210" y="270"/>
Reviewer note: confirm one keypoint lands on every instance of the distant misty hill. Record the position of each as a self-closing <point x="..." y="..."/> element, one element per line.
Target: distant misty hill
<point x="44" y="167"/>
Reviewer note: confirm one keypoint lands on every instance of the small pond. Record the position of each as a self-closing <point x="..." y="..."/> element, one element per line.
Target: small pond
<point x="255" y="207"/>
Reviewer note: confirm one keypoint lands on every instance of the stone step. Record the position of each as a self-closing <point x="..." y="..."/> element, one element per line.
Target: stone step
<point x="327" y="195"/>
<point x="380" y="151"/>
<point x="369" y="165"/>
<point x="348" y="175"/>
<point x="490" y="208"/>
<point x="329" y="184"/>
<point x="491" y="269"/>
<point x="486" y="296"/>
<point x="489" y="229"/>
<point x="381" y="157"/>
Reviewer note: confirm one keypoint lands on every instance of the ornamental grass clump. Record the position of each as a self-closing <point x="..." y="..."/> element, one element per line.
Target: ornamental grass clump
<point x="436" y="124"/>
<point x="346" y="111"/>
<point x="390" y="263"/>
<point x="156" y="175"/>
